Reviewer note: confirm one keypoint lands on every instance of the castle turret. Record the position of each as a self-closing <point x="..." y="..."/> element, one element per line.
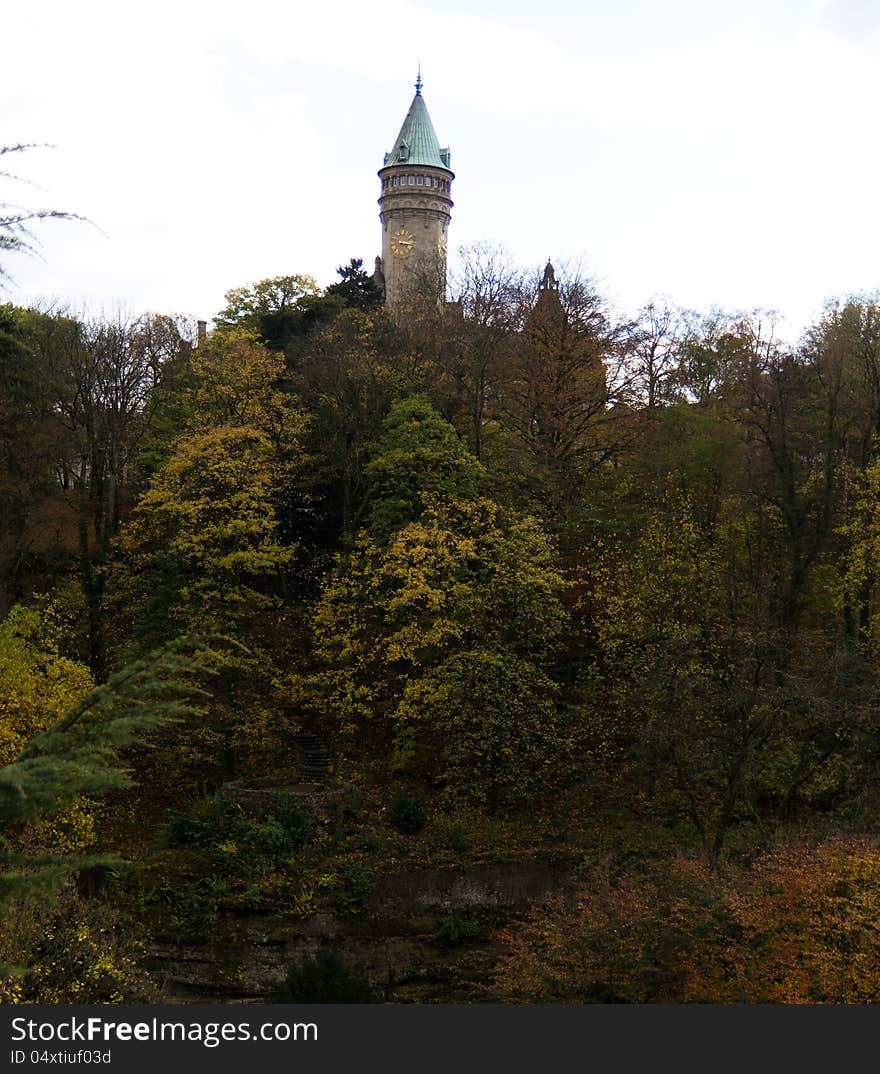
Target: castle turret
<point x="414" y="208"/>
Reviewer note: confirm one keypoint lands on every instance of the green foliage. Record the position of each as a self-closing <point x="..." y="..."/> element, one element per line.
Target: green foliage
<point x="357" y="288"/>
<point x="693" y="651"/>
<point x="452" y="836"/>
<point x="406" y="813"/>
<point x="324" y="978"/>
<point x="80" y="754"/>
<point x="353" y="804"/>
<point x="417" y="460"/>
<point x="357" y="883"/>
<point x="411" y="633"/>
<point x="267" y="306"/>
<point x="216" y="821"/>
<point x="454" y="929"/>
<point x="486" y="722"/>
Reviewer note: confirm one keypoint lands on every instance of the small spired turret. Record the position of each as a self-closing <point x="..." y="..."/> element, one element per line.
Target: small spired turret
<point x="548" y="302"/>
<point x="549" y="282"/>
<point x="414" y="208"/>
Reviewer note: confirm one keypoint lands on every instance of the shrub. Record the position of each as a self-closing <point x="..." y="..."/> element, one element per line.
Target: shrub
<point x="454" y="838"/>
<point x="85" y="953"/>
<point x="211" y="822"/>
<point x="298" y="824"/>
<point x="454" y="929"/>
<point x="324" y="978"/>
<point x="798" y="926"/>
<point x="204" y="824"/>
<point x="353" y="804"/>
<point x="357" y="887"/>
<point x="406" y="813"/>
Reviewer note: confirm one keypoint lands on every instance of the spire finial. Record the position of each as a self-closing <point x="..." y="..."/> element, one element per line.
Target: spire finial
<point x="419" y="81"/>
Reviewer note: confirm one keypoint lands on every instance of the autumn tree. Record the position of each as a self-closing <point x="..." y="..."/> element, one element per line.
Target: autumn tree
<point x="405" y="631"/>
<point x="206" y="549"/>
<point x="417" y="459"/>
<point x="843" y="350"/>
<point x="475" y="338"/>
<point x="37" y="683"/>
<point x="795" y="927"/>
<point x="655" y="351"/>
<point x="267" y="307"/>
<point x="557" y="394"/>
<point x="347" y="378"/>
<point x="210" y="515"/>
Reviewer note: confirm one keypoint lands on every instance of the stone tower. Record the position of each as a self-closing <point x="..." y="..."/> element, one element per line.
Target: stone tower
<point x="414" y="207"/>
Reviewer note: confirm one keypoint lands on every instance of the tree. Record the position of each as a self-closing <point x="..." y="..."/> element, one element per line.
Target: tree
<point x="80" y="753"/>
<point x="37" y="684"/>
<point x="654" y="353"/>
<point x="202" y="550"/>
<point x="238" y="382"/>
<point x="843" y="349"/>
<point x="556" y="397"/>
<point x="16" y="235"/>
<point x="695" y="685"/>
<point x="357" y="289"/>
<point x="476" y="337"/>
<point x="275" y="309"/>
<point x="404" y="630"/>
<point x="417" y="459"/>
<point x="798" y="926"/>
<point x="346" y="378"/>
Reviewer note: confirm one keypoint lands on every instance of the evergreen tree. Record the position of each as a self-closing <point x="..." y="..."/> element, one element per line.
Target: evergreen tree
<point x="80" y="755"/>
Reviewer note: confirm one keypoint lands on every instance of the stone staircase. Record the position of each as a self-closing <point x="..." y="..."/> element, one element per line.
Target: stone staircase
<point x="315" y="765"/>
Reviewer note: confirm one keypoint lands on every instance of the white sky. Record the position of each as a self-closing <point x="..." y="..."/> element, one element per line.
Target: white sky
<point x="716" y="152"/>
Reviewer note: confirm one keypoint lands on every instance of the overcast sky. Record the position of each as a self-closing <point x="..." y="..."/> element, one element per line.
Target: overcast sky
<point x="715" y="152"/>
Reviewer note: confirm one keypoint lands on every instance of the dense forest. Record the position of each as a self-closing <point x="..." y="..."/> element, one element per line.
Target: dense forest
<point x="500" y="650"/>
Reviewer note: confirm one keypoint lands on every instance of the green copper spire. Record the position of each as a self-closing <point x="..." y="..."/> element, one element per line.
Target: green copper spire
<point x="417" y="143"/>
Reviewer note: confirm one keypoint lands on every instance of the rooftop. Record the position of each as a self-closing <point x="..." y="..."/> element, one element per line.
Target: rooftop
<point x="417" y="143"/>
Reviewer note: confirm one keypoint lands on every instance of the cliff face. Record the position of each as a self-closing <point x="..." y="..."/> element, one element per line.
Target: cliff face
<point x="399" y="937"/>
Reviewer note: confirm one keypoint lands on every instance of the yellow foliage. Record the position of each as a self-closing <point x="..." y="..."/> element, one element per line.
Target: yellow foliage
<point x="37" y="684"/>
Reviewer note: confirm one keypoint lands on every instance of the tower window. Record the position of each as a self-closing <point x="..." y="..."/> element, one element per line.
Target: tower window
<point x="420" y="181"/>
<point x="411" y="179"/>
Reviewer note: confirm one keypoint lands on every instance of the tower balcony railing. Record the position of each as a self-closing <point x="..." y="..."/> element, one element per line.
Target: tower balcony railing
<point x="430" y="182"/>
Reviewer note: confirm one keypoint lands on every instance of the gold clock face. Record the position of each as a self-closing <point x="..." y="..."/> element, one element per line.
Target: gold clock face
<point x="402" y="243"/>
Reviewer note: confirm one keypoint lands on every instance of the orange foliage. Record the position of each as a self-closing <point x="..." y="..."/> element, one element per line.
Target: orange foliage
<point x="802" y="925"/>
